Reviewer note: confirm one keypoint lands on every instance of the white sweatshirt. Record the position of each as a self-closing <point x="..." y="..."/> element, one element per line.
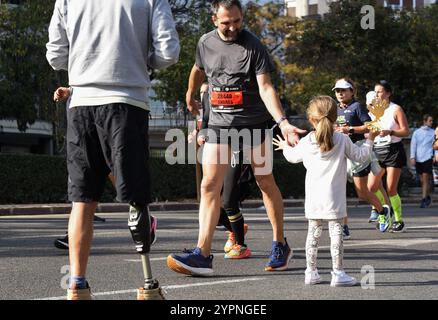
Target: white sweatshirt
<point x="106" y="48"/>
<point x="326" y="176"/>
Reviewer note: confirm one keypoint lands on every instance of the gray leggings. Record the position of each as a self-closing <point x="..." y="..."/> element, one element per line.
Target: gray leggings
<point x="336" y="243"/>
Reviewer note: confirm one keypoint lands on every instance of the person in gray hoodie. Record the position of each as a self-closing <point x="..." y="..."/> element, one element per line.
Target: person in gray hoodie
<point x="107" y="48"/>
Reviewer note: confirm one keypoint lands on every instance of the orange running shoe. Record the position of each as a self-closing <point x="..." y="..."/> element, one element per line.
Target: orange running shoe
<point x="231" y="240"/>
<point x="238" y="252"/>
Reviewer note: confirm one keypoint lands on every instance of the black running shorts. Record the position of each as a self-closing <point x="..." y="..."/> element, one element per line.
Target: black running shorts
<point x="363" y="173"/>
<point x="393" y="155"/>
<point x="249" y="135"/>
<point x="424" y="167"/>
<point x="103" y="139"/>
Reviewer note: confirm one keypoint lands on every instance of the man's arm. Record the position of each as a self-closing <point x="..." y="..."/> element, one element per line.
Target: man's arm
<point x="197" y="77"/>
<point x="58" y="45"/>
<point x="413" y="148"/>
<point x="435" y="144"/>
<point x="272" y="103"/>
<point x="165" y="41"/>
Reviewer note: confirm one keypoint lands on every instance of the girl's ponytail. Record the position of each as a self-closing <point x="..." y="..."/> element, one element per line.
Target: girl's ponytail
<point x="322" y="112"/>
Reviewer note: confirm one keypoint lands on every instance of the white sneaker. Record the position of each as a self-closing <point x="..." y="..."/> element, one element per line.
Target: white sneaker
<point x="312" y="277"/>
<point x="341" y="279"/>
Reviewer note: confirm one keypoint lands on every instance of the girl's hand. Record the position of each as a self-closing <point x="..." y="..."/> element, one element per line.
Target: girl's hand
<point x="280" y="143"/>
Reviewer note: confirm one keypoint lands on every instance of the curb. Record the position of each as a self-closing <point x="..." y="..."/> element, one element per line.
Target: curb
<point x="49" y="209"/>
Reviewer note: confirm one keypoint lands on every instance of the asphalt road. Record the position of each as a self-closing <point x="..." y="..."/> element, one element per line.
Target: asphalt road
<point x="391" y="266"/>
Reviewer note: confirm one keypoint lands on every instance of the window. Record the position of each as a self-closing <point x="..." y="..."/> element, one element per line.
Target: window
<point x="292" y="12"/>
<point x="313" y="9"/>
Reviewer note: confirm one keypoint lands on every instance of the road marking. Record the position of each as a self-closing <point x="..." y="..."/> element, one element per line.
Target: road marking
<point x="350" y="243"/>
<point x="151" y="259"/>
<point x="124" y="232"/>
<point x="381" y="242"/>
<point x="173" y="230"/>
<point x="422" y="227"/>
<point x="170" y="287"/>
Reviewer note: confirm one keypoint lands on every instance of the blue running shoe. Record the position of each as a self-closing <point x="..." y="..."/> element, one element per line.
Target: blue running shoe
<point x="280" y="256"/>
<point x="346" y="234"/>
<point x="192" y="263"/>
<point x="374" y="216"/>
<point x="428" y="201"/>
<point x="385" y="219"/>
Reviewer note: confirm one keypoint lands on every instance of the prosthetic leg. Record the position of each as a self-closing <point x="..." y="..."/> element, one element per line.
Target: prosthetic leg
<point x="140" y="226"/>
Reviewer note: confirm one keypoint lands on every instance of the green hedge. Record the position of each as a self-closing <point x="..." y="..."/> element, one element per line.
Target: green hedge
<point x="32" y="179"/>
<point x="43" y="179"/>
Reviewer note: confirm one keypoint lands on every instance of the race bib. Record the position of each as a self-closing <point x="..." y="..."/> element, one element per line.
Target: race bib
<point x="382" y="141"/>
<point x="227" y="99"/>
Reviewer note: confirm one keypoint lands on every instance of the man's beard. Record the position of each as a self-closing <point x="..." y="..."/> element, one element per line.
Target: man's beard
<point x="231" y="35"/>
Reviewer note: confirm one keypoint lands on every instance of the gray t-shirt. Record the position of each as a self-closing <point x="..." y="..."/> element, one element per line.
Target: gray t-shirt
<point x="231" y="65"/>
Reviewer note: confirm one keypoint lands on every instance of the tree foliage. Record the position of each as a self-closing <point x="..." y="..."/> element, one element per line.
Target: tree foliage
<point x="401" y="49"/>
<point x="171" y="84"/>
<point x="309" y="53"/>
<point x="26" y="80"/>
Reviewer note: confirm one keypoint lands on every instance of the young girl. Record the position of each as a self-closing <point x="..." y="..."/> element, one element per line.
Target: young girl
<point x="324" y="153"/>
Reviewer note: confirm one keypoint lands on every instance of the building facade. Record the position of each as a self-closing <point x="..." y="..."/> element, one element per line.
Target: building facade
<point x="306" y="8"/>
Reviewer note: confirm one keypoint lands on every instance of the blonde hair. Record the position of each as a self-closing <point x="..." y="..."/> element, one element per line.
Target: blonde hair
<point x="322" y="112"/>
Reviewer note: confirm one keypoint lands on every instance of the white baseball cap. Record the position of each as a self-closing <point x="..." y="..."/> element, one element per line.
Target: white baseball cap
<point x="342" y="84"/>
<point x="370" y="97"/>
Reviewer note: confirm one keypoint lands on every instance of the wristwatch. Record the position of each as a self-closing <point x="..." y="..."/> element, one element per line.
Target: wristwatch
<point x="351" y="130"/>
<point x="280" y="120"/>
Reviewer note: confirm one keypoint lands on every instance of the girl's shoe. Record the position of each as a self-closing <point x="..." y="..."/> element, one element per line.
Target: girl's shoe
<point x="312" y="277"/>
<point x="341" y="279"/>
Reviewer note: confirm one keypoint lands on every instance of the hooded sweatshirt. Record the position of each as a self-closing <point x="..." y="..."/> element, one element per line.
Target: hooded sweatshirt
<point x="107" y="46"/>
<point x="326" y="176"/>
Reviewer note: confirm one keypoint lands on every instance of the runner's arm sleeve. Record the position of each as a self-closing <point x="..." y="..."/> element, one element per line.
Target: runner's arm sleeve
<point x="262" y="60"/>
<point x="58" y="45"/>
<point x="165" y="40"/>
<point x="362" y="113"/>
<point x="198" y="58"/>
<point x="294" y="154"/>
<point x="414" y="145"/>
<point x="355" y="153"/>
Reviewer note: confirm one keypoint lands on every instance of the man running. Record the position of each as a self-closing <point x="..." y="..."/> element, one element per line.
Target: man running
<point x="242" y="98"/>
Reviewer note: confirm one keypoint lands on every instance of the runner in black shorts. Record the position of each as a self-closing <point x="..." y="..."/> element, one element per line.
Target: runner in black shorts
<point x="422" y="157"/>
<point x="390" y="152"/>
<point x="233" y="191"/>
<point x="424" y="167"/>
<point x="237" y="66"/>
<point x="351" y="121"/>
<point x="108" y="114"/>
